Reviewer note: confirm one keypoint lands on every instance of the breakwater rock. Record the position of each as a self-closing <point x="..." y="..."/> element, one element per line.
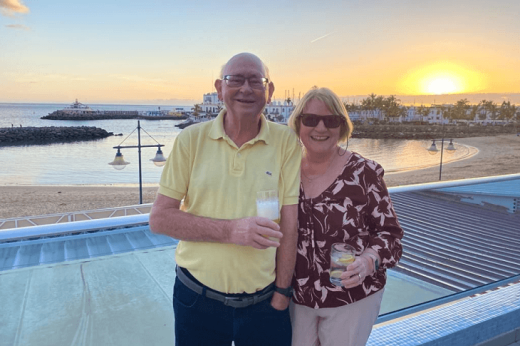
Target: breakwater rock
<point x="102" y="115"/>
<point x="41" y="135"/>
<point x="406" y="131"/>
<point x="107" y="115"/>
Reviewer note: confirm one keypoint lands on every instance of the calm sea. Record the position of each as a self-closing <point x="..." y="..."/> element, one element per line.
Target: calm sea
<point x="86" y="163"/>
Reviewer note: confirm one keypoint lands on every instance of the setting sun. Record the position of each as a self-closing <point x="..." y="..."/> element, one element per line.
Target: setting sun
<point x="442" y="86"/>
<point x="442" y="78"/>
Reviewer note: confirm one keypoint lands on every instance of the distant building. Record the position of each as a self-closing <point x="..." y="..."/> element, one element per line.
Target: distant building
<point x="279" y="111"/>
<point x="366" y="115"/>
<point x="276" y="110"/>
<point x="211" y="104"/>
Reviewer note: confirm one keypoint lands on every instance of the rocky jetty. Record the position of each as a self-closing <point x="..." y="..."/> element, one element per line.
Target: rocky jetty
<point x="41" y="135"/>
<point x="108" y="115"/>
<point x="101" y="115"/>
<point x="407" y="131"/>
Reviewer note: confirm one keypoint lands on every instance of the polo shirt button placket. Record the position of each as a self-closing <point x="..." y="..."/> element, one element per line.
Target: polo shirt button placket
<point x="237" y="164"/>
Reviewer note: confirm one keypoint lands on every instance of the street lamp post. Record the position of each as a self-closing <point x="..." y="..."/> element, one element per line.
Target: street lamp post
<point x="433" y="149"/>
<point x="119" y="162"/>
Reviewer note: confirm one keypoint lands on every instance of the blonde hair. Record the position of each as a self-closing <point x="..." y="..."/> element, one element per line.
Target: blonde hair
<point x="333" y="103"/>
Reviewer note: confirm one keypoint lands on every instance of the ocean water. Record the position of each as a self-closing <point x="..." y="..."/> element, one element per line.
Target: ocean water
<point x="86" y="162"/>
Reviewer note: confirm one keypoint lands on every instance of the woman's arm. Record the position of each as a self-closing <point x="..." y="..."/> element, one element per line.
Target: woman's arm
<point x="384" y="228"/>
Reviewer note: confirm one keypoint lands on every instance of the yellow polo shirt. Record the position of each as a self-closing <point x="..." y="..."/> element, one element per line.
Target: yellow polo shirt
<point x="219" y="180"/>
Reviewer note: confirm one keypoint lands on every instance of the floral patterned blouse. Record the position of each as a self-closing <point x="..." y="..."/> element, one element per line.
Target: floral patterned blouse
<point x="355" y="209"/>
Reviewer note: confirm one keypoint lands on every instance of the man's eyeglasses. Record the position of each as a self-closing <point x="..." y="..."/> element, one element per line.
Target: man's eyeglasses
<point x="235" y="81"/>
<point x="330" y="121"/>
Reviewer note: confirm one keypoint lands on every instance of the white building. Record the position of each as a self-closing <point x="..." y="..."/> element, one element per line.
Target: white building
<point x="434" y="116"/>
<point x="276" y="110"/>
<point x="211" y="104"/>
<point x="279" y="111"/>
<point x="366" y="115"/>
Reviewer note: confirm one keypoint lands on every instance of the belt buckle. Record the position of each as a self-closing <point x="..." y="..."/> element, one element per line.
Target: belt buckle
<point x="229" y="300"/>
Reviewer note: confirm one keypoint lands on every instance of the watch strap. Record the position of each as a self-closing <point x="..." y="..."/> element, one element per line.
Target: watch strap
<point x="375" y="260"/>
<point x="288" y="292"/>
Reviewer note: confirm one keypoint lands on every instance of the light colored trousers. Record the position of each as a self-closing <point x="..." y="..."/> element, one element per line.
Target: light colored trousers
<point x="348" y="325"/>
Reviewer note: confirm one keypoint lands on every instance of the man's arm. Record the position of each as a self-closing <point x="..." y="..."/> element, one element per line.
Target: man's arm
<point x="286" y="254"/>
<point x="166" y="218"/>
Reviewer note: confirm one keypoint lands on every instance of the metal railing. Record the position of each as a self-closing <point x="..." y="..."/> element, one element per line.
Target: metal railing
<point x="115" y="220"/>
<point x="28" y="221"/>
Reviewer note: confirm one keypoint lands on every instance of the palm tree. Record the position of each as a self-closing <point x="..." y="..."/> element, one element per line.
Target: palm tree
<point x="507" y="111"/>
<point x="379" y="102"/>
<point x="490" y="108"/>
<point x="493" y="108"/>
<point x="423" y="111"/>
<point x="449" y="113"/>
<point x="460" y="109"/>
<point x="483" y="109"/>
<point x="515" y="113"/>
<point x="196" y="110"/>
<point x="474" y="112"/>
<point x="443" y="109"/>
<point x="391" y="107"/>
<point x="351" y="107"/>
<point x="369" y="103"/>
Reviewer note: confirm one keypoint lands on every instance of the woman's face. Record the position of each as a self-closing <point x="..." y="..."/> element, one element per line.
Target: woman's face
<point x="318" y="139"/>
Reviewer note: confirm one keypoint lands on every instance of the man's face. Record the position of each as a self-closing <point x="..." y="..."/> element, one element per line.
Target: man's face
<point x="244" y="101"/>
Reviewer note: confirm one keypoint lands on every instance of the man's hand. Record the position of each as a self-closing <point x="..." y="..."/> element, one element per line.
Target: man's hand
<point x="279" y="301"/>
<point x="255" y="231"/>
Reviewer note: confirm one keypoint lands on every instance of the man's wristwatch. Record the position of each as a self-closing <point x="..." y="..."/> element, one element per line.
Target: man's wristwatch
<point x="288" y="292"/>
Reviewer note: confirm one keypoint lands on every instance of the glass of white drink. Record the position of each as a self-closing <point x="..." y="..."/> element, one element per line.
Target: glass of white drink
<point x="341" y="255"/>
<point x="267" y="205"/>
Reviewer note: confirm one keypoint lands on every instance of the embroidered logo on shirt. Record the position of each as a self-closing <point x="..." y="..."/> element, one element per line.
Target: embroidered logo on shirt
<point x="268" y="173"/>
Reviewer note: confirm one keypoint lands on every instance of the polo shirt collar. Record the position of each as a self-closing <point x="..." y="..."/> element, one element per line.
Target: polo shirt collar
<point x="217" y="129"/>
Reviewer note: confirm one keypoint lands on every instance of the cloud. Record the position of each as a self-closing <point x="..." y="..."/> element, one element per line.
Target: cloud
<point x="9" y="7"/>
<point x="18" y="26"/>
<point x="319" y="38"/>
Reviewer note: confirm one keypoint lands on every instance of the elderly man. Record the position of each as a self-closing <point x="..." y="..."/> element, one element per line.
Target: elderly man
<point x="234" y="268"/>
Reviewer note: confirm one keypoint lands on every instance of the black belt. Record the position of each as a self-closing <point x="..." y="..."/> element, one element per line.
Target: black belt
<point x="234" y="302"/>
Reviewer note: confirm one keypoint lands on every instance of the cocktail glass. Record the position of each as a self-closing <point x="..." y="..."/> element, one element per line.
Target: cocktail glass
<point x="267" y="205"/>
<point x="341" y="255"/>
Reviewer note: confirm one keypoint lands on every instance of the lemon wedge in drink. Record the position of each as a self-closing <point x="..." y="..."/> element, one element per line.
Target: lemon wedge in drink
<point x="336" y="274"/>
<point x="346" y="259"/>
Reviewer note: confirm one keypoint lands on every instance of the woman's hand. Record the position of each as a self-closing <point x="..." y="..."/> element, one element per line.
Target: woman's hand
<point x="356" y="272"/>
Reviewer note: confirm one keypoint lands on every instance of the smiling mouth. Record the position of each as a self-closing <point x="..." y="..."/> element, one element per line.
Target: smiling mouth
<point x="319" y="138"/>
<point x="245" y="101"/>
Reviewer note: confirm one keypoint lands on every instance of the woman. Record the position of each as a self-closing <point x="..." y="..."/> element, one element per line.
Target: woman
<point x="343" y="199"/>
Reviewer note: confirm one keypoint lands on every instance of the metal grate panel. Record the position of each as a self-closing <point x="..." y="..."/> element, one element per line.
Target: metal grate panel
<point x="39" y="251"/>
<point x="454" y="245"/>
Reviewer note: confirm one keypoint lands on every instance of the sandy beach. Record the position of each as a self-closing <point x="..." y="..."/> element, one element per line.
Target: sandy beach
<point x="497" y="155"/>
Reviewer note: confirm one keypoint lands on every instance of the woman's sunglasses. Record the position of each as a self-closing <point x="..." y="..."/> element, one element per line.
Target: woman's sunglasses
<point x="330" y="121"/>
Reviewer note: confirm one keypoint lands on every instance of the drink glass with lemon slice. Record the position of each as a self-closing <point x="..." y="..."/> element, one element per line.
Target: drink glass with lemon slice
<point x="341" y="255"/>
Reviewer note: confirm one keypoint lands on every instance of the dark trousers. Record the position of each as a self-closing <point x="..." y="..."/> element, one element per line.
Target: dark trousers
<point x="200" y="321"/>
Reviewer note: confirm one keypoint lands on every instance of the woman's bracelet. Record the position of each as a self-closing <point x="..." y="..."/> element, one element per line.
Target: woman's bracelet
<point x="375" y="261"/>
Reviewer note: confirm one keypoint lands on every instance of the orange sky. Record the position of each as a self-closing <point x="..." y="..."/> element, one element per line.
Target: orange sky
<point x="124" y="52"/>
